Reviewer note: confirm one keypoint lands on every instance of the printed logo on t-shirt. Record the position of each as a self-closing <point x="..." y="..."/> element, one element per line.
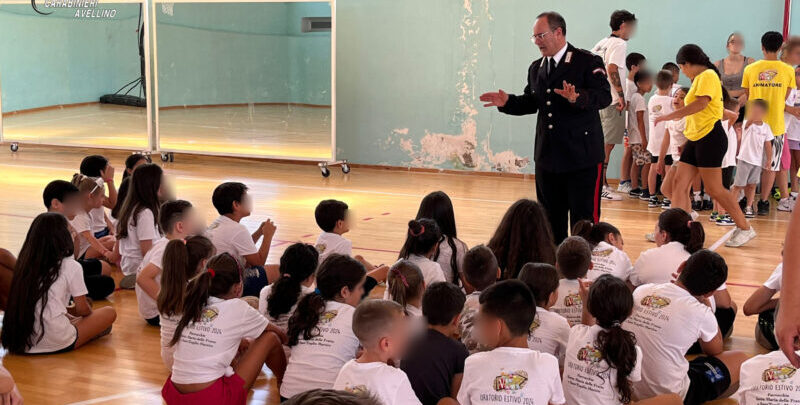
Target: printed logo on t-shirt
<point x="510" y="381"/>
<point x="572" y="300"/>
<point x="213" y="226"/>
<point x="209" y="314"/>
<point x="767" y="75"/>
<point x="321" y="247"/>
<point x="778" y="373"/>
<point x="602" y="253"/>
<point x="657" y="108"/>
<point x="328" y="316"/>
<point x="655" y="302"/>
<point x="535" y="324"/>
<point x="590" y="354"/>
<point x="360" y="389"/>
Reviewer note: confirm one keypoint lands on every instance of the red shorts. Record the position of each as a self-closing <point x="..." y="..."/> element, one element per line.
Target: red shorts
<point x="224" y="391"/>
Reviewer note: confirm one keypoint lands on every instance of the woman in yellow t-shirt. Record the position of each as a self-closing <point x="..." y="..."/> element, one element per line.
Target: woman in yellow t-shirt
<point x="707" y="141"/>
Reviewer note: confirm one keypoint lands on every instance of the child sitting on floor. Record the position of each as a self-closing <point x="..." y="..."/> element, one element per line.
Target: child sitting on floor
<point x="607" y="254"/>
<point x="763" y="303"/>
<point x="434" y="362"/>
<point x="382" y="329"/>
<point x="549" y="331"/>
<point x="422" y="241"/>
<point x="573" y="261"/>
<point x="406" y="286"/>
<point x="91" y="190"/>
<point x="480" y="271"/>
<point x="97" y="167"/>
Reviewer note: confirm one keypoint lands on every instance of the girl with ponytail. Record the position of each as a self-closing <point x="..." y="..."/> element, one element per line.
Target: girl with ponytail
<point x="707" y="141"/>
<point x="422" y="243"/>
<point x="406" y="286"/>
<point x="677" y="236"/>
<point x="182" y="260"/>
<point x="209" y="334"/>
<point x="607" y="255"/>
<point x="278" y="300"/>
<point x="321" y="327"/>
<point x="438" y="207"/>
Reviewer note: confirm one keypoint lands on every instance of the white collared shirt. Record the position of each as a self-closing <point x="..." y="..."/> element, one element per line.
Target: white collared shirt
<point x="558" y="56"/>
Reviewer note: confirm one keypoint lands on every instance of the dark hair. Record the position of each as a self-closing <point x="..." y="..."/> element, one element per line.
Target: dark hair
<point x="47" y="243"/>
<point x="122" y="194"/>
<point x="331" y="397"/>
<point x="664" y="79"/>
<point x="223" y="273"/>
<point x="671" y="66"/>
<point x="772" y="41"/>
<point x="554" y="21"/>
<point x="442" y="302"/>
<point x="680" y="227"/>
<point x="336" y="272"/>
<point x="180" y="263"/>
<point x="594" y="233"/>
<point x="142" y="194"/>
<point x="541" y="279"/>
<point x="634" y="59"/>
<point x="704" y="272"/>
<point x="58" y="190"/>
<point x="619" y="17"/>
<point x="226" y="194"/>
<point x="760" y="102"/>
<point x="694" y="55"/>
<point x="171" y="213"/>
<point x="511" y="301"/>
<point x="405" y="282"/>
<point x="93" y="165"/>
<point x="328" y="213"/>
<point x="610" y="302"/>
<point x="438" y="207"/>
<point x="298" y="263"/>
<point x="523" y="236"/>
<point x="574" y="257"/>
<point x="642" y="75"/>
<point x="373" y="319"/>
<point x="131" y="161"/>
<point x="422" y="236"/>
<point x="480" y="267"/>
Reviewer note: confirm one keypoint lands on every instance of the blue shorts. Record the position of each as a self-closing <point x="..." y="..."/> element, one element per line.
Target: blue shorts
<point x="100" y="234"/>
<point x="254" y="279"/>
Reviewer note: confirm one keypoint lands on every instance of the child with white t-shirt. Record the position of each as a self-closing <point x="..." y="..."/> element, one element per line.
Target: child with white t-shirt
<point x="91" y="190"/>
<point x="659" y="104"/>
<point x="549" y="331"/>
<point x="333" y="217"/>
<point x="603" y="359"/>
<point x="320" y="329"/>
<point x="278" y="300"/>
<point x="637" y="135"/>
<point x="438" y="207"/>
<point x="383" y="331"/>
<point x="480" y="271"/>
<point x="405" y="285"/>
<point x="215" y="326"/>
<point x="510" y="368"/>
<point x="573" y="261"/>
<point x="137" y="226"/>
<point x="422" y="242"/>
<point x="97" y="166"/>
<point x="233" y="203"/>
<point x="669" y="318"/>
<point x="607" y="254"/>
<point x="50" y="269"/>
<point x="756" y="144"/>
<point x="677" y="236"/>
<point x="182" y="261"/>
<point x="671" y="144"/>
<point x="768" y="379"/>
<point x="178" y="219"/>
<point x="764" y="303"/>
<point x="675" y="70"/>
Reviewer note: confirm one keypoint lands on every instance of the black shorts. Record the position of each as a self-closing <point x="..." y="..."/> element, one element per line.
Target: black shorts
<point x="708" y="151"/>
<point x="740" y="118"/>
<point x="727" y="176"/>
<point x="91" y="267"/>
<point x="709" y="378"/>
<point x="667" y="160"/>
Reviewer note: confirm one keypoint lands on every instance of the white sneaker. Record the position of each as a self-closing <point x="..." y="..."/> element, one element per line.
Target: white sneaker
<point x="792" y="203"/>
<point x="610" y="195"/>
<point x="694" y="215"/>
<point x="741" y="237"/>
<point x="785" y="204"/>
<point x="624" y="188"/>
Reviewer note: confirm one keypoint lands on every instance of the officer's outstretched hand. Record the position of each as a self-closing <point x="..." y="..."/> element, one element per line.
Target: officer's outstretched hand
<point x="498" y="99"/>
<point x="567" y="92"/>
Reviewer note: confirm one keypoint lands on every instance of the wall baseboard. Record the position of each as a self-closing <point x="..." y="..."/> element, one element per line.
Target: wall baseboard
<point x="49" y="107"/>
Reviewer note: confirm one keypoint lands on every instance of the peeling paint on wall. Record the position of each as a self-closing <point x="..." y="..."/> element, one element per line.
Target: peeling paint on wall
<point x="467" y="149"/>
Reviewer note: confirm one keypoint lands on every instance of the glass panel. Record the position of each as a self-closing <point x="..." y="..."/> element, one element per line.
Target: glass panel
<point x="55" y="68"/>
<point x="244" y="79"/>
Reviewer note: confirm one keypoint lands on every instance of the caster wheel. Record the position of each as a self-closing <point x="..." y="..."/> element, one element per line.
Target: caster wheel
<point x="325" y="171"/>
<point x="345" y="168"/>
<point x="171" y="157"/>
<point x="164" y="157"/>
<point x="14" y="147"/>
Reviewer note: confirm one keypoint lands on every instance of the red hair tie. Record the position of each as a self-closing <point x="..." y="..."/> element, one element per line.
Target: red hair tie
<point x="212" y="272"/>
<point x="689" y="224"/>
<point x="402" y="277"/>
<point x="421" y="231"/>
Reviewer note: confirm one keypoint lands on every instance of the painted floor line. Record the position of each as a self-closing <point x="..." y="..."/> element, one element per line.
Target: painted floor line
<point x="115" y="396"/>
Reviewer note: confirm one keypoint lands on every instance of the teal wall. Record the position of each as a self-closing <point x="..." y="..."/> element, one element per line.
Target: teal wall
<point x="409" y="72"/>
<point x="57" y="59"/>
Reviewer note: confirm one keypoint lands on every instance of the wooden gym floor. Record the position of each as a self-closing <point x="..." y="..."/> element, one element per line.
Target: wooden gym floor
<point x="125" y="367"/>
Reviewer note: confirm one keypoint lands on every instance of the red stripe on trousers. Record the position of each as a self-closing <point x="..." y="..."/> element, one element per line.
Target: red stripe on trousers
<point x="597" y="185"/>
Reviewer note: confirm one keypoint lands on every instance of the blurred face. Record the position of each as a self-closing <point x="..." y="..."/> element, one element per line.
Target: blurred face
<point x="488" y="329"/>
<point x="661" y="236"/>
<point x="397" y="342"/>
<point x="615" y="240"/>
<point x="792" y="56"/>
<point x="627" y="29"/>
<point x="191" y="224"/>
<point x="343" y="225"/>
<point x="677" y="100"/>
<point x="244" y="207"/>
<point x="756" y="113"/>
<point x="69" y="207"/>
<point x="797" y="76"/>
<point x="95" y="200"/>
<point x="353" y="297"/>
<point x="735" y="44"/>
<point x="548" y="41"/>
<point x="646" y="85"/>
<point x="137" y="164"/>
<point x="165" y="190"/>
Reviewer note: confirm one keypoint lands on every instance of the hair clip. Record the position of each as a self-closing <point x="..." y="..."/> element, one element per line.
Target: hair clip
<point x="317" y="291"/>
<point x="689" y="224"/>
<point x="286" y="275"/>
<point x="184" y="241"/>
<point x="212" y="272"/>
<point x="421" y="231"/>
<point x="615" y="324"/>
<point x="402" y="277"/>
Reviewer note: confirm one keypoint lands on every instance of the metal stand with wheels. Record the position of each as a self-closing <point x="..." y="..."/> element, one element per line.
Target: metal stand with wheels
<point x="14" y="146"/>
<point x="167" y="157"/>
<point x="323" y="167"/>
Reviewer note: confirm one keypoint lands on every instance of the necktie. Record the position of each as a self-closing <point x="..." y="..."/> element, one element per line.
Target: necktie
<point x="551" y="66"/>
